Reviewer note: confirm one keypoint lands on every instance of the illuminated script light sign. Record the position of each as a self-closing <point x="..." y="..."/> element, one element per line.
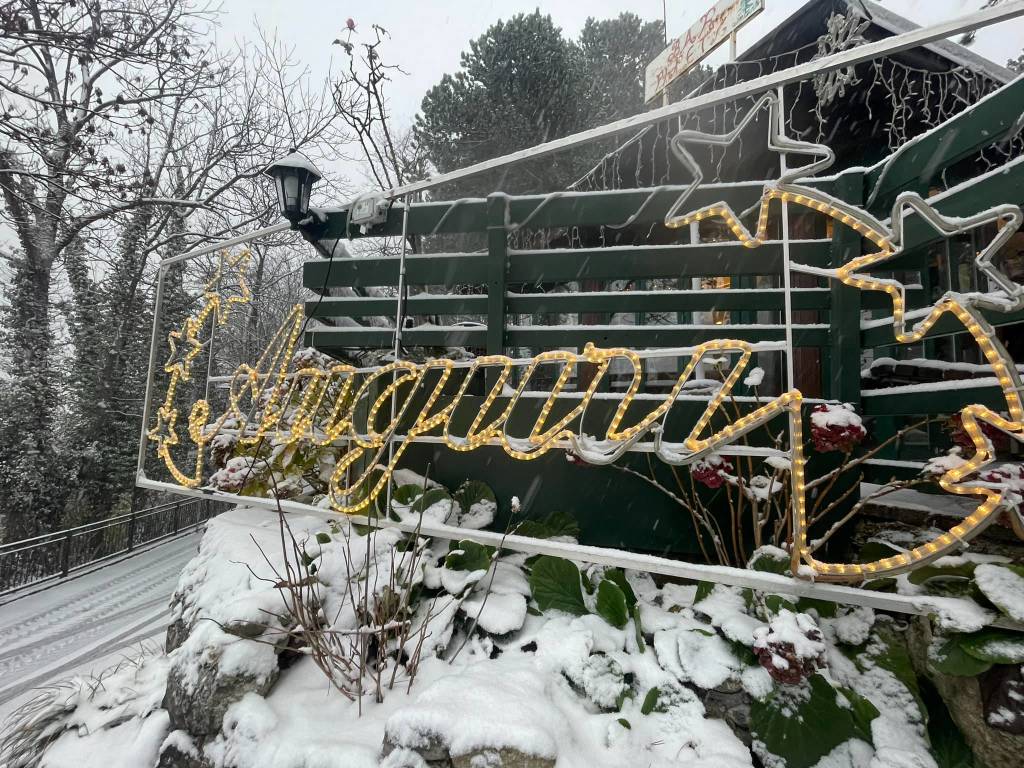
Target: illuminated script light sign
<point x="357" y="411"/>
<point x="710" y="30"/>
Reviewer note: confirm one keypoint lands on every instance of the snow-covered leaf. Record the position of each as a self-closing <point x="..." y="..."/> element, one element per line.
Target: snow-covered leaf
<point x="1004" y="586"/>
<point x="959" y="571"/>
<point x="649" y="701"/>
<point x="619" y="577"/>
<point x="888" y="650"/>
<point x="950" y="659"/>
<point x="770" y="560"/>
<point x="611" y="604"/>
<point x="555" y="584"/>
<point x="405" y="495"/>
<point x="477" y="504"/>
<point x="496" y="614"/>
<point x="802" y="724"/>
<point x="555" y="524"/>
<point x="469" y="556"/>
<point x="994" y="646"/>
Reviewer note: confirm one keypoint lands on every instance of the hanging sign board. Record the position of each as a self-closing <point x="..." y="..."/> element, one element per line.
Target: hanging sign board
<point x="689" y="49"/>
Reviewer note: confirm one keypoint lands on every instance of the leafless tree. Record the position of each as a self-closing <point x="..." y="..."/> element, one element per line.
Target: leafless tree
<point x="125" y="135"/>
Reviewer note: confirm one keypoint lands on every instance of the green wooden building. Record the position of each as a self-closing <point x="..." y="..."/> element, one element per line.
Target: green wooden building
<point x="938" y="120"/>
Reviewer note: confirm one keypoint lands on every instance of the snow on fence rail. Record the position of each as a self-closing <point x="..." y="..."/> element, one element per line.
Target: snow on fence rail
<point x="55" y="555"/>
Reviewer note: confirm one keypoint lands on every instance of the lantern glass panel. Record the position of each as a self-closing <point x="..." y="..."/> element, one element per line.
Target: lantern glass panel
<point x="291" y="191"/>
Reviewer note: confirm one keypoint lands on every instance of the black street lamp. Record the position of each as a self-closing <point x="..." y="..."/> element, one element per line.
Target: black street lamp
<point x="294" y="177"/>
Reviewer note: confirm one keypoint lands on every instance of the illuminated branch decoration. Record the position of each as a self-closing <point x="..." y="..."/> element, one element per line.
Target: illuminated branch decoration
<point x="334" y="406"/>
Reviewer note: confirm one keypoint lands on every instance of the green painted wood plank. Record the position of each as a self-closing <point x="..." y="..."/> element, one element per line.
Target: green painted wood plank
<point x="881" y="336"/>
<point x="580" y="208"/>
<point x="421" y="269"/>
<point x="928" y="399"/>
<point x="547" y="266"/>
<point x="917" y="163"/>
<point x="654" y="261"/>
<point x="843" y="377"/>
<point x="661" y="301"/>
<point x="424" y="304"/>
<point x="552" y="337"/>
<point x="497" y="270"/>
<point x="555" y="303"/>
<point x="640" y="337"/>
<point x="1004" y="184"/>
<point x="380" y="338"/>
<point x="883" y="473"/>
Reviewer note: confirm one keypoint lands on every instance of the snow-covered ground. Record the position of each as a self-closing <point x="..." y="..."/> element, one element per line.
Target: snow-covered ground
<point x="85" y="624"/>
<point x="626" y="674"/>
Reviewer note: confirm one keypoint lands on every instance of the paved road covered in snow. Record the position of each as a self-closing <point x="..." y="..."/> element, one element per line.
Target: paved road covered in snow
<point x="75" y="625"/>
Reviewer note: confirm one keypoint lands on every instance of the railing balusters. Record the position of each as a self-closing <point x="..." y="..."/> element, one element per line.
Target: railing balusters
<point x="65" y="559"/>
<point x="58" y="554"/>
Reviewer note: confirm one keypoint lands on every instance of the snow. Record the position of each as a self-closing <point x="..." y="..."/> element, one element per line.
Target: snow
<point x="1004" y="587"/>
<point x="497" y="614"/>
<point x="725" y="607"/>
<point x="939" y="465"/>
<point x="933" y="386"/>
<point x="404" y="476"/>
<point x="134" y="743"/>
<point x="933" y="503"/>
<point x="757" y="682"/>
<point x="898" y="734"/>
<point x="86" y="624"/>
<point x="835" y="415"/>
<point x="952" y="615"/>
<point x="854" y="753"/>
<point x="549" y="685"/>
<point x="791" y="629"/>
<point x="941" y="365"/>
<point x="755" y="377"/>
<point x="851" y="625"/>
<point x="698" y="656"/>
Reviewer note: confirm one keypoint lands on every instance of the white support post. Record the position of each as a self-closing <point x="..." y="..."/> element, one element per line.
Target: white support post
<point x="213" y="336"/>
<point x="399" y="322"/>
<point x="154" y="339"/>
<point x="787" y="287"/>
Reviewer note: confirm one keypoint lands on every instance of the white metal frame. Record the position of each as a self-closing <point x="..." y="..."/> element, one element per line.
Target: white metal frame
<point x="765" y="582"/>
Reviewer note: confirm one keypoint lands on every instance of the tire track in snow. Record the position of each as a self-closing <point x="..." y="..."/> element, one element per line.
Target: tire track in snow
<point x="88" y="618"/>
<point x="30" y="618"/>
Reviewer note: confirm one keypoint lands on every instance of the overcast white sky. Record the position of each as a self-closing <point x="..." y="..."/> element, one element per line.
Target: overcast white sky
<point x="428" y="36"/>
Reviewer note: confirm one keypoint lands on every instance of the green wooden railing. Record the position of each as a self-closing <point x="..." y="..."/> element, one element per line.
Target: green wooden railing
<point x="531" y="282"/>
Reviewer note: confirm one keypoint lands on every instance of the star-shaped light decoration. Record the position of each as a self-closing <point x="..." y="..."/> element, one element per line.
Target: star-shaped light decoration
<point x="890" y="241"/>
<point x="185" y="345"/>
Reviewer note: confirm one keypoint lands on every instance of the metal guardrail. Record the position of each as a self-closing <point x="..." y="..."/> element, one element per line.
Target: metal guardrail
<point x="53" y="556"/>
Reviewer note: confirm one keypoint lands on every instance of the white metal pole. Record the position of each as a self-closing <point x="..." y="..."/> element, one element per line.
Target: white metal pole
<point x="399" y="312"/>
<point x="786" y="286"/>
<point x="851" y="57"/>
<point x="238" y="240"/>
<point x="158" y="306"/>
<point x="397" y="350"/>
<point x="741" y="577"/>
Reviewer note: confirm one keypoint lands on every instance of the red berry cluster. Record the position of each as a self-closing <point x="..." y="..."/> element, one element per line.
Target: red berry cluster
<point x="711" y="471"/>
<point x="783" y="663"/>
<point x="835" y="437"/>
